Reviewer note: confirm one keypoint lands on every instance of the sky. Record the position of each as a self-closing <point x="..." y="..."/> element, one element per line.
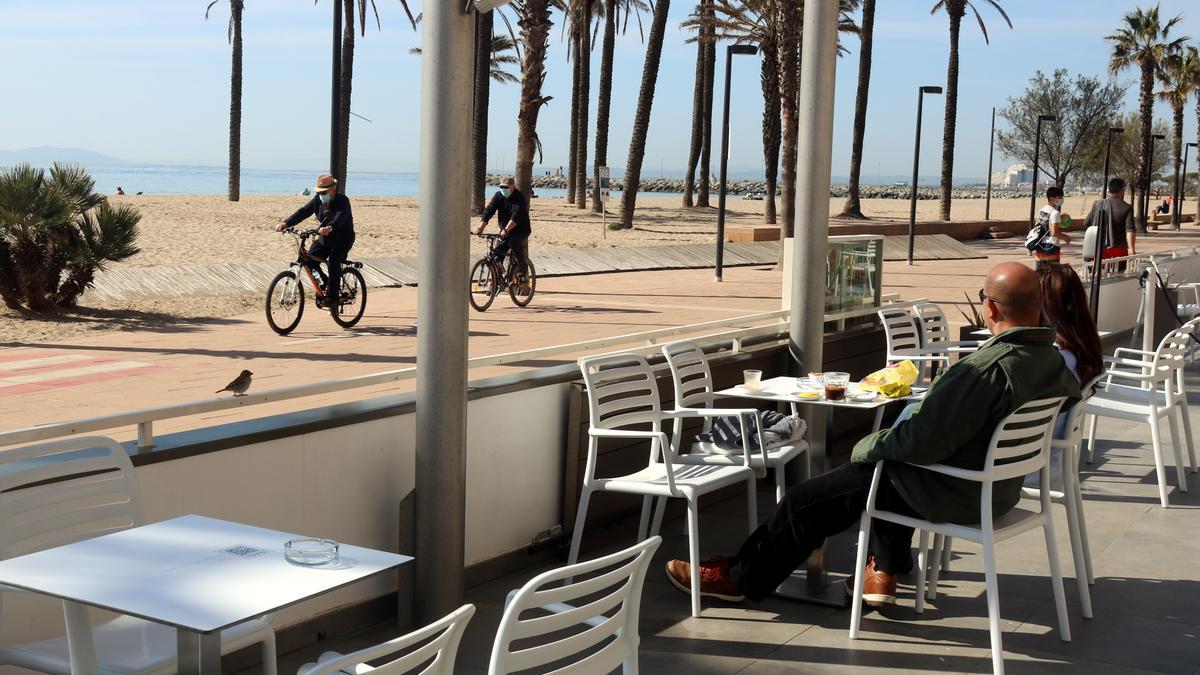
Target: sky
<point x="148" y="81"/>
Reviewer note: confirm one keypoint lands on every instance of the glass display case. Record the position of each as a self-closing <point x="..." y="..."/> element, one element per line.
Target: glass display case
<point x="853" y="273"/>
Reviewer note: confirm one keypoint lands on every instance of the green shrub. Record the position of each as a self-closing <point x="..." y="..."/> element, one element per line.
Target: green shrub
<point x="56" y="232"/>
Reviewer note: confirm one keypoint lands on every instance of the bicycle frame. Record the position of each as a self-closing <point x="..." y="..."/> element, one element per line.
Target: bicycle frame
<point x="301" y="261"/>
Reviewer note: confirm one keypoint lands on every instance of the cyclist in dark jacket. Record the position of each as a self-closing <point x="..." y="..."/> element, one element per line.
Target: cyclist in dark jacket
<point x="513" y="212"/>
<point x="335" y="234"/>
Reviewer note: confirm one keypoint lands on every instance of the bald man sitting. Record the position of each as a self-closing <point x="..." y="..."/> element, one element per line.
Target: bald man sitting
<point x="953" y="425"/>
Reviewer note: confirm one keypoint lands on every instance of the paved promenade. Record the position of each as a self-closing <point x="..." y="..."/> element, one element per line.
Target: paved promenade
<point x="122" y="371"/>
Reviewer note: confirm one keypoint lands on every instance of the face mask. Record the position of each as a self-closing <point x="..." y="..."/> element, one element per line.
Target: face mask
<point x="507" y="192"/>
<point x="325" y="197"/>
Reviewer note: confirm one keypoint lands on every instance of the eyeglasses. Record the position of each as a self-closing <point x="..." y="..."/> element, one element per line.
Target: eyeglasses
<point x="984" y="296"/>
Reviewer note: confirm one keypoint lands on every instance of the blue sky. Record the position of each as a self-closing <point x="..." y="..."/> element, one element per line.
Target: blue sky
<point x="148" y="80"/>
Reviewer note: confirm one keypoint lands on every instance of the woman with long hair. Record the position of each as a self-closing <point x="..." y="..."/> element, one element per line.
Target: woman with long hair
<point x="1065" y="306"/>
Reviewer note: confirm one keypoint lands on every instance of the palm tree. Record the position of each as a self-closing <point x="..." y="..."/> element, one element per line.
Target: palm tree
<point x="235" y="96"/>
<point x="580" y="14"/>
<point x="956" y="10"/>
<point x="534" y="22"/>
<point x="641" y="118"/>
<point x="1142" y="41"/>
<point x="1179" y="73"/>
<point x="706" y="132"/>
<point x="689" y="176"/>
<point x="347" y="72"/>
<point x="612" y="17"/>
<point x="853" y="207"/>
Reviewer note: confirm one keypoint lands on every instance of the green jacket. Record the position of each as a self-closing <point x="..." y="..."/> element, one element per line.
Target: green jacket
<point x="953" y="425"/>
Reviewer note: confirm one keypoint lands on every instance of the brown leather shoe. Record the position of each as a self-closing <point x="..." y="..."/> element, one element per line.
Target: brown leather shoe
<point x="879" y="587"/>
<point x="714" y="578"/>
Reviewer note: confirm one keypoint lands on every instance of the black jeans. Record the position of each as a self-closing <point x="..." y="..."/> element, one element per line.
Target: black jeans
<point x="809" y="513"/>
<point x="520" y="247"/>
<point x="334" y="257"/>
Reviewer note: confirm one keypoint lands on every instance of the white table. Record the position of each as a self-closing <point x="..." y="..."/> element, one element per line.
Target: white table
<point x="198" y="574"/>
<point x="811" y="584"/>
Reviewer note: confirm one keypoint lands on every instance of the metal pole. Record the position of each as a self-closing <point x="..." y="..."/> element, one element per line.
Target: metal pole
<point x="441" y="427"/>
<point x="724" y="164"/>
<point x="1101" y="234"/>
<point x="1037" y="147"/>
<point x="1183" y="185"/>
<point x="912" y="211"/>
<point x="335" y="146"/>
<point x="806" y="329"/>
<point x="987" y="204"/>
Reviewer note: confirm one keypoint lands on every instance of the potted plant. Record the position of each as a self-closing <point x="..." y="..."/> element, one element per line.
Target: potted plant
<point x="974" y="321"/>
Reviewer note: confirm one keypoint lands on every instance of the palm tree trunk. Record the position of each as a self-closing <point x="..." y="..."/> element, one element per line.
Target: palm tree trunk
<point x="641" y="118"/>
<point x="689" y="178"/>
<point x="951" y="118"/>
<point x="1144" y="159"/>
<point x="235" y="105"/>
<point x="769" y="78"/>
<point x="584" y="58"/>
<point x="853" y="207"/>
<point x="479" y="132"/>
<point x="572" y="169"/>
<point x="1177" y="191"/>
<point x="534" y="22"/>
<point x="710" y="73"/>
<point x="605" y="98"/>
<point x="347" y="80"/>
<point x="789" y="70"/>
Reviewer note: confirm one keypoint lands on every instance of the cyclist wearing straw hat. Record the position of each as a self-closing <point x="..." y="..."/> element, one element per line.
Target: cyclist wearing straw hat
<point x="335" y="232"/>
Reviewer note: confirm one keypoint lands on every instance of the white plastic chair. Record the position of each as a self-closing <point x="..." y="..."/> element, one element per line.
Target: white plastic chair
<point x="904" y="343"/>
<point x="935" y="330"/>
<point x="57" y="493"/>
<point x="1019" y="446"/>
<point x="622" y="392"/>
<point x="589" y="623"/>
<point x="1158" y="392"/>
<point x="693" y="383"/>
<point x="441" y="639"/>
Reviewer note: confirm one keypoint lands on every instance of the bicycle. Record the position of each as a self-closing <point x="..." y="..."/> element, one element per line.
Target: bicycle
<point x="285" y="295"/>
<point x="489" y="276"/>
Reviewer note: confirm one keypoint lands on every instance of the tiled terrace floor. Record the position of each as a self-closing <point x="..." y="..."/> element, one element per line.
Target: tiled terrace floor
<point x="1146" y="598"/>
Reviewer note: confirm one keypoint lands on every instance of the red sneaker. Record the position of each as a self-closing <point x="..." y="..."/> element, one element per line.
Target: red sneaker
<point x="714" y="578"/>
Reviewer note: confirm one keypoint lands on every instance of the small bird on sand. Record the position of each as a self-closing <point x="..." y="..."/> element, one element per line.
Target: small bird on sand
<point x="239" y="385"/>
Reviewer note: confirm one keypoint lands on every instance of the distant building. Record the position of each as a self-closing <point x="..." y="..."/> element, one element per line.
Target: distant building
<point x="1014" y="176"/>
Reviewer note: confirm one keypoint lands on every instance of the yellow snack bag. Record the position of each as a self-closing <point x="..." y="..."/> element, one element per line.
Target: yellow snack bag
<point x="895" y="390"/>
<point x="904" y="373"/>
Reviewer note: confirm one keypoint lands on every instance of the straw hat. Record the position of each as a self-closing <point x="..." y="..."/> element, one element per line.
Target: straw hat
<point x="325" y="183"/>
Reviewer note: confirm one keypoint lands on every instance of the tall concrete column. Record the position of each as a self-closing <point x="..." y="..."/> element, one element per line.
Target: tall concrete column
<point x="445" y="212"/>
<point x="810" y="245"/>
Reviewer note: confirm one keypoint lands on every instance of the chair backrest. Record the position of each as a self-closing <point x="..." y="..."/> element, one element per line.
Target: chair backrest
<point x="622" y="391"/>
<point x="932" y="321"/>
<point x="1169" y="360"/>
<point x="441" y="639"/>
<point x="690" y="374"/>
<point x="900" y="328"/>
<point x="1073" y="431"/>
<point x="1021" y="442"/>
<point x="65" y="491"/>
<point x="582" y="618"/>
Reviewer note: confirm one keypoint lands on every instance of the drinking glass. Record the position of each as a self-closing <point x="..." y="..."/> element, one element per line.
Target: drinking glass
<point x="752" y="379"/>
<point x="835" y="386"/>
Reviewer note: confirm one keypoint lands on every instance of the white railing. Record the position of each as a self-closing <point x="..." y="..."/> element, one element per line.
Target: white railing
<point x="144" y="419"/>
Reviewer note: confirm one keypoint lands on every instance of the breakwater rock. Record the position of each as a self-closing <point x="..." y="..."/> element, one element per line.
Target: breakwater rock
<point x="758" y="187"/>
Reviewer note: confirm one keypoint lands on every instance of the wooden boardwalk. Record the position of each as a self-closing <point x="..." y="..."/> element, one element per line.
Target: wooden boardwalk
<point x="127" y="283"/>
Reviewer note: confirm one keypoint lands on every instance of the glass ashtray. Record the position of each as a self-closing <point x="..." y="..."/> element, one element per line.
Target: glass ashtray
<point x="311" y="551"/>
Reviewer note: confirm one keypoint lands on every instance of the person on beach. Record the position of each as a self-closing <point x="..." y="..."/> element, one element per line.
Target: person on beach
<point x="335" y="233"/>
<point x="1114" y="217"/>
<point x="120" y="191"/>
<point x="513" y="212"/>
<point x="1049" y="250"/>
<point x="1017" y="365"/>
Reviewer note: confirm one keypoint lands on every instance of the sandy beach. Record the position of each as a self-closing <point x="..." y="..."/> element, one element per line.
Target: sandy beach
<point x="193" y="229"/>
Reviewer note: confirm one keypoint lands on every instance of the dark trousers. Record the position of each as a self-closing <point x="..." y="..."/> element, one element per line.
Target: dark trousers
<point x="334" y="257"/>
<point x="812" y="511"/>
<point x="520" y="248"/>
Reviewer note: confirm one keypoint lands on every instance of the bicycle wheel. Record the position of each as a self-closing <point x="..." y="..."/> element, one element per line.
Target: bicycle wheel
<point x="522" y="294"/>
<point x="483" y="284"/>
<point x="285" y="302"/>
<point x="353" y="289"/>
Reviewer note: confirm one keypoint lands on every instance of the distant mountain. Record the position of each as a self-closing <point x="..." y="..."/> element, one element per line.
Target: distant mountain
<point x="46" y="155"/>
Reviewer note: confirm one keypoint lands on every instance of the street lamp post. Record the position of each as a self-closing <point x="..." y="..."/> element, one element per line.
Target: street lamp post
<point x="912" y="211"/>
<point x="1149" y="179"/>
<point x="1181" y="187"/>
<point x="1101" y="232"/>
<point x="335" y="127"/>
<point x="729" y="52"/>
<point x="1037" y="149"/>
<point x="987" y="203"/>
